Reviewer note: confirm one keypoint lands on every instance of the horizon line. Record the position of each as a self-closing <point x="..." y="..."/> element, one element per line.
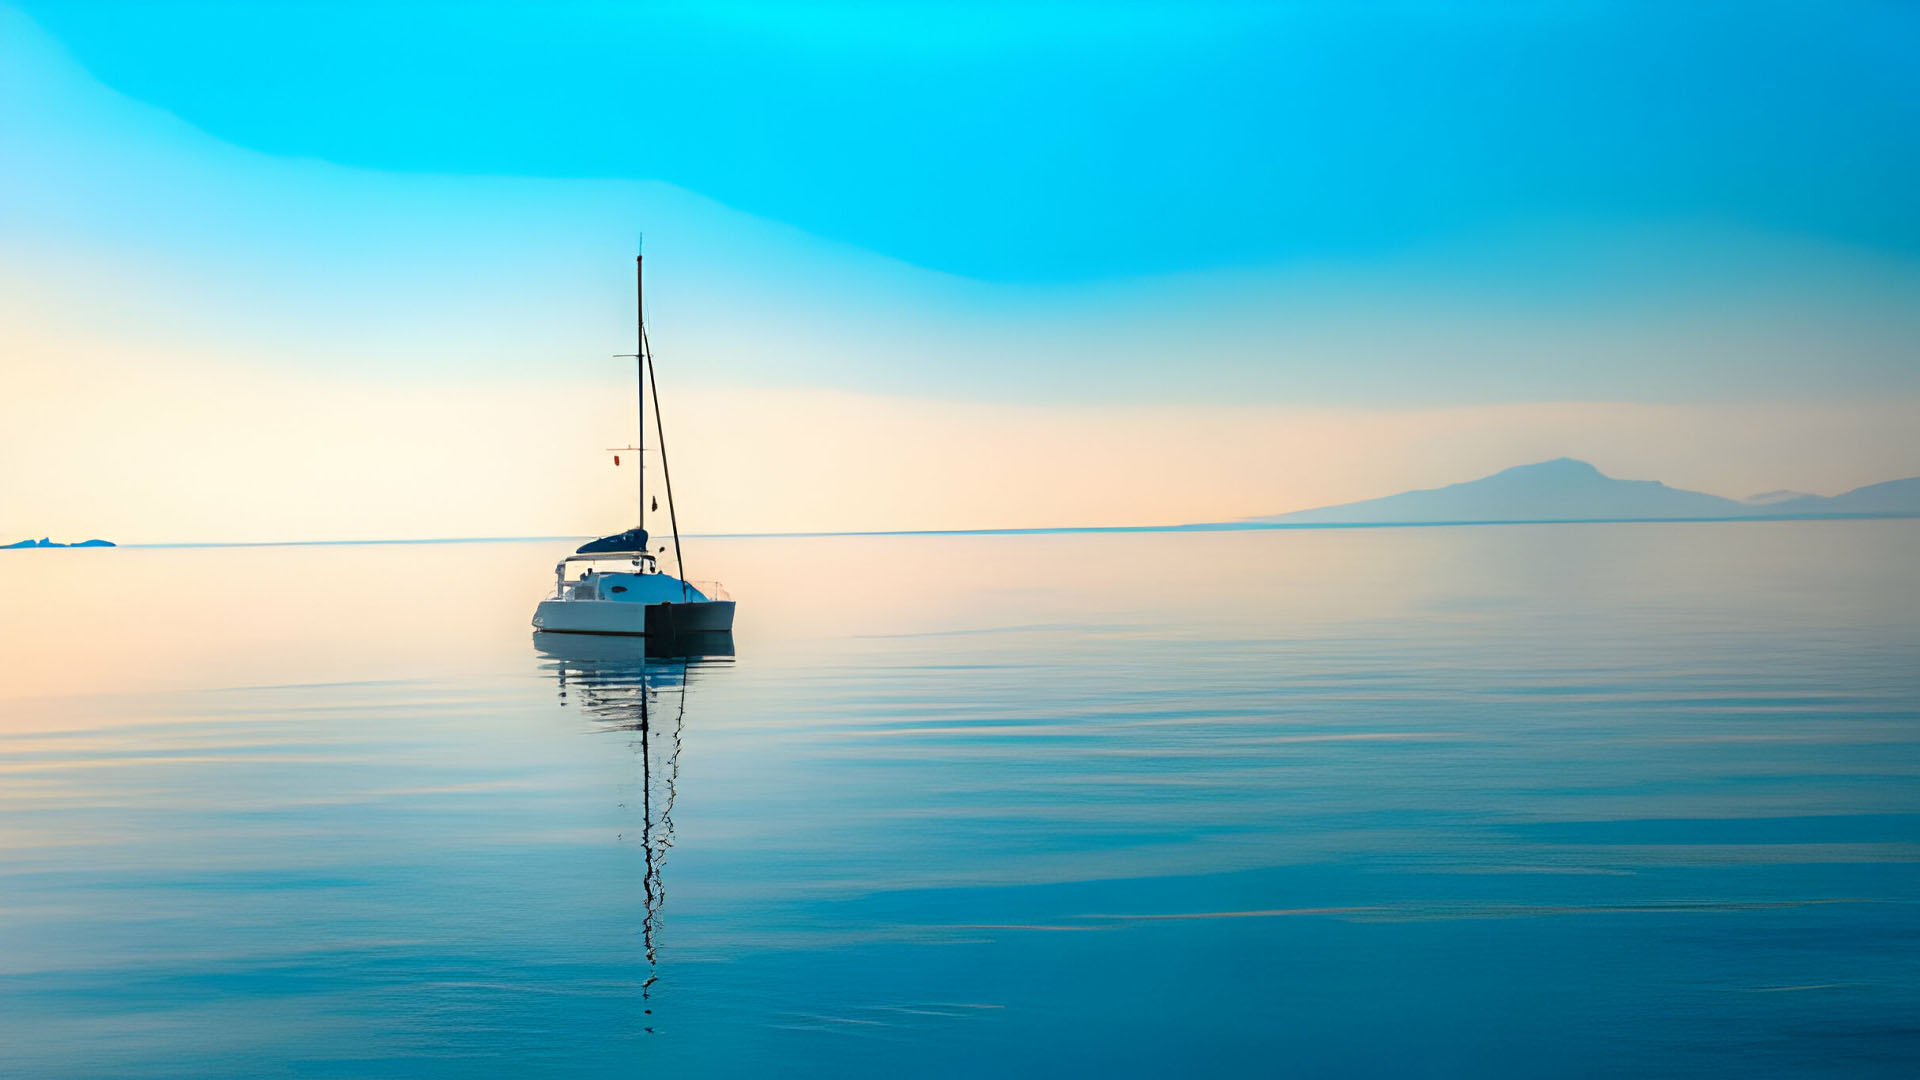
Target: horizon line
<point x="1035" y="530"/>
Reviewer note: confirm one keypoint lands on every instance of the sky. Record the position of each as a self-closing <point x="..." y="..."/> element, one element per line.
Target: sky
<point x="327" y="271"/>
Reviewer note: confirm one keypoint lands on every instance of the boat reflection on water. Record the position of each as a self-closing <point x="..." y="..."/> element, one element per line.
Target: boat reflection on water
<point x="638" y="685"/>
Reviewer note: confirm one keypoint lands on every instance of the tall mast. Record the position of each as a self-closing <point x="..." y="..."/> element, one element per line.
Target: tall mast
<point x="640" y="381"/>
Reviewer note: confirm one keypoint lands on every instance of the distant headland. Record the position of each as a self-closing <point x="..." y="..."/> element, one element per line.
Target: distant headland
<point x="43" y="542"/>
<point x="1569" y="490"/>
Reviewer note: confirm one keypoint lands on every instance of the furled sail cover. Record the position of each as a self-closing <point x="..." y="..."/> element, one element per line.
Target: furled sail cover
<point x="631" y="540"/>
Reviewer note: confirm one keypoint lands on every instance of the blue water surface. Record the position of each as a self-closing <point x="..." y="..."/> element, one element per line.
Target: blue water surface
<point x="1492" y="801"/>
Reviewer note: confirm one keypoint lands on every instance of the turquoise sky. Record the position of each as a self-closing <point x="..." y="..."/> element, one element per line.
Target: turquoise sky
<point x="941" y="265"/>
<point x="1063" y="142"/>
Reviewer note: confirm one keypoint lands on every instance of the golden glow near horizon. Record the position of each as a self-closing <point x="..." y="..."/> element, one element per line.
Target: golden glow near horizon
<point x="175" y="451"/>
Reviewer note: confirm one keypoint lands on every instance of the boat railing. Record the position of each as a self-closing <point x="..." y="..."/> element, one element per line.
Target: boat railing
<point x="573" y="590"/>
<point x="578" y="589"/>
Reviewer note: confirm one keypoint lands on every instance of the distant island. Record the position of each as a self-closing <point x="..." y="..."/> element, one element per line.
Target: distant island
<point x="1569" y="490"/>
<point x="43" y="542"/>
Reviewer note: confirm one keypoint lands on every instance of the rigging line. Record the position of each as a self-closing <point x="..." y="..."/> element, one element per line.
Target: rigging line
<point x="666" y="473"/>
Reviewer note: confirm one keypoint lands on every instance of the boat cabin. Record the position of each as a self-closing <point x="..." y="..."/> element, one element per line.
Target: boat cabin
<point x="620" y="576"/>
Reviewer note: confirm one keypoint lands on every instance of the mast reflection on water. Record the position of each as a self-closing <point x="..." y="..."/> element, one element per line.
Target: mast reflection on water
<point x="640" y="686"/>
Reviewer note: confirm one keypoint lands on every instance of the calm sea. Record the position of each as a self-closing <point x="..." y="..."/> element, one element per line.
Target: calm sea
<point x="1593" y="800"/>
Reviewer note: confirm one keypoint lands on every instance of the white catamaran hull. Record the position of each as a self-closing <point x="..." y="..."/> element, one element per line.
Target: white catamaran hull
<point x="626" y="617"/>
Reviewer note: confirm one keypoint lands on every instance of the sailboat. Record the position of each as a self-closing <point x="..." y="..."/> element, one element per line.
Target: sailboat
<point x="614" y="585"/>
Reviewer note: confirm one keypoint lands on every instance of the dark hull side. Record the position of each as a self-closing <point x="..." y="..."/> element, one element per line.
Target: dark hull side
<point x="673" y="620"/>
<point x="658" y="620"/>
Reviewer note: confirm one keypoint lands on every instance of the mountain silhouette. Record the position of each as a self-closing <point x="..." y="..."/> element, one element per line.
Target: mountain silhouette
<point x="1900" y="498"/>
<point x="1569" y="490"/>
<point x="43" y="542"/>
